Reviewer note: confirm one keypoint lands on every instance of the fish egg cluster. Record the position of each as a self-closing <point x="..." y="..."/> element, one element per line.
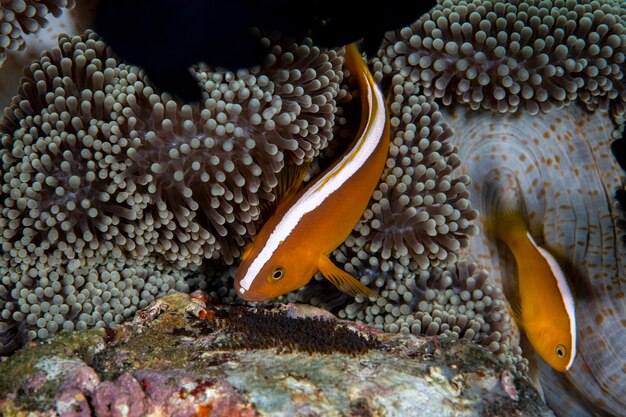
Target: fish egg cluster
<point x="20" y="17"/>
<point x="102" y="173"/>
<point x="503" y="56"/>
<point x="420" y="215"/>
<point x="264" y="327"/>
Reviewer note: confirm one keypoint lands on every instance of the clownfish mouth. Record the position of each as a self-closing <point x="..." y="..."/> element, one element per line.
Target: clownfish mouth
<point x="250" y="295"/>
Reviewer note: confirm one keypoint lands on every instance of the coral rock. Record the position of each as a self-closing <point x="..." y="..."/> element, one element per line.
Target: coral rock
<point x="168" y="361"/>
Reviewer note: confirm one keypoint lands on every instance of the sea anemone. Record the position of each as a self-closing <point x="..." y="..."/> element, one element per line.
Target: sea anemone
<point x="64" y="149"/>
<point x="555" y="71"/>
<point x="209" y="169"/>
<point x="456" y="302"/>
<point x="407" y="243"/>
<point x="504" y="56"/>
<point x="102" y="174"/>
<point x="53" y="295"/>
<point x="20" y="17"/>
<point x="100" y="171"/>
<point x="419" y="215"/>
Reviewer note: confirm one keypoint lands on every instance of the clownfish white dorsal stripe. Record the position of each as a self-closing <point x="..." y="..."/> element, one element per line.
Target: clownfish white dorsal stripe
<point x="295" y="242"/>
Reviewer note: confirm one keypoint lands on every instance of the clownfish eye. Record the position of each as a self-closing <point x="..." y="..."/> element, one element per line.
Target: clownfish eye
<point x="561" y="351"/>
<point x="277" y="274"/>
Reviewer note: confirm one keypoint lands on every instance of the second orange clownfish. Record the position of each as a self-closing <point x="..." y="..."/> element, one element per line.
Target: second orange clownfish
<point x="542" y="302"/>
<point x="295" y="242"/>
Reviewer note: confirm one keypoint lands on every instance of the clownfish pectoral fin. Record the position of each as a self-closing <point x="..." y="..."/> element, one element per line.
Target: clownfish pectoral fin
<point x="515" y="306"/>
<point x="290" y="180"/>
<point x="342" y="280"/>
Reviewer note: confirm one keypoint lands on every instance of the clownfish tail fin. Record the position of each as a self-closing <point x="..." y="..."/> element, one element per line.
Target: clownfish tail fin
<point x="504" y="212"/>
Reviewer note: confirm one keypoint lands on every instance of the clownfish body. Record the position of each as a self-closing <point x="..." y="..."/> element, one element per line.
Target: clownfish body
<point x="295" y="242"/>
<point x="544" y="305"/>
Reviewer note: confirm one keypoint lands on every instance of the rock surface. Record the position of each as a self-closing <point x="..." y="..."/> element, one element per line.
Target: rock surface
<point x="179" y="357"/>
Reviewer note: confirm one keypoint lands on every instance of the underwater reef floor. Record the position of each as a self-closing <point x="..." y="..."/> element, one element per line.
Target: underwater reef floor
<point x="181" y="357"/>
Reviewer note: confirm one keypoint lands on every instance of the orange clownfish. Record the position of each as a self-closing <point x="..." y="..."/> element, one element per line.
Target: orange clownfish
<point x="295" y="242"/>
<point x="543" y="305"/>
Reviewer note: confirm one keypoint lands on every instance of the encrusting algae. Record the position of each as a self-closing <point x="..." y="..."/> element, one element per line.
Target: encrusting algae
<point x="499" y="92"/>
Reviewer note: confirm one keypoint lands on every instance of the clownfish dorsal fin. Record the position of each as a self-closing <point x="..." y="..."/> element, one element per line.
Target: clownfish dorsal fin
<point x="342" y="280"/>
<point x="290" y="180"/>
<point x="247" y="250"/>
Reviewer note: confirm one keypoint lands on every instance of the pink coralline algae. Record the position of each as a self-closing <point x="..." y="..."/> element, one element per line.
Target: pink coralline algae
<point x="147" y="392"/>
